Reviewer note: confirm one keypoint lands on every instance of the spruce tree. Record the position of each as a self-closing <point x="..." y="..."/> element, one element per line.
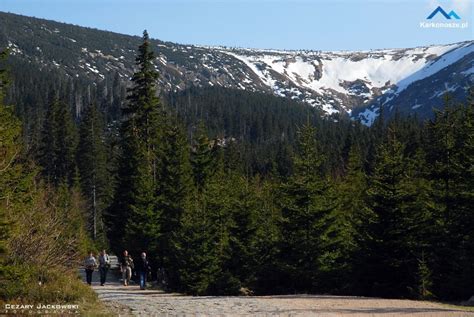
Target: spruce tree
<point x="395" y="231"/>
<point x="351" y="215"/>
<point x="132" y="218"/>
<point x="240" y="192"/>
<point x="267" y="271"/>
<point x="196" y="261"/>
<point x="216" y="248"/>
<point x="218" y="209"/>
<point x="306" y="209"/>
<point x="174" y="193"/>
<point x="142" y="228"/>
<point x="143" y="104"/>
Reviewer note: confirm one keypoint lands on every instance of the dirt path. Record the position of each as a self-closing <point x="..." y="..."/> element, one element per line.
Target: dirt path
<point x="131" y="300"/>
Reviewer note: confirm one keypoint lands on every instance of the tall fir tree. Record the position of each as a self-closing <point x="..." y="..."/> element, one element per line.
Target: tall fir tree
<point x="143" y="107"/>
<point x="174" y="193"/>
<point x="264" y="249"/>
<point x="218" y="209"/>
<point x="394" y="243"/>
<point x="196" y="261"/>
<point x="216" y="236"/>
<point x="352" y="213"/>
<point x="306" y="210"/>
<point x="132" y="217"/>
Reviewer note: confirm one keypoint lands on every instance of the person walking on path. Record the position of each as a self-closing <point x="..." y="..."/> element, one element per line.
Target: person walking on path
<point x="126" y="266"/>
<point x="143" y="267"/>
<point x="90" y="264"/>
<point x="104" y="264"/>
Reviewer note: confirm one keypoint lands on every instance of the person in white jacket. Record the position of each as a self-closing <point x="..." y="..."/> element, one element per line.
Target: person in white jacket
<point x="104" y="264"/>
<point x="90" y="264"/>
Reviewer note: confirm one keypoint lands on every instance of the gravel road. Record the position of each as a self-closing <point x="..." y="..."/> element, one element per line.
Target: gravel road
<point x="131" y="301"/>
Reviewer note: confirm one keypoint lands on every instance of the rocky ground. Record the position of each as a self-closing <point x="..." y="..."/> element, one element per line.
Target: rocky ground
<point x="131" y="301"/>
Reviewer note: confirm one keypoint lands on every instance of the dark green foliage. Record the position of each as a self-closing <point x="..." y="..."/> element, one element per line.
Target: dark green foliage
<point x="450" y="170"/>
<point x="236" y="192"/>
<point x="201" y="243"/>
<point x="58" y="144"/>
<point x="425" y="282"/>
<point x="306" y="210"/>
<point x="142" y="109"/>
<point x="141" y="223"/>
<point x="174" y="192"/>
<point x="396" y="230"/>
<point x="218" y="202"/>
<point x="195" y="253"/>
<point x="4" y="81"/>
<point x="94" y="170"/>
<point x="132" y="217"/>
<point x="263" y="250"/>
<point x="133" y="173"/>
<point x="265" y="126"/>
<point x="350" y="216"/>
<point x="202" y="162"/>
<point x="367" y="233"/>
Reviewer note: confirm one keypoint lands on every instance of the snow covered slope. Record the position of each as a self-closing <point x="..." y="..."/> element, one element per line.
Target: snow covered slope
<point x="342" y="81"/>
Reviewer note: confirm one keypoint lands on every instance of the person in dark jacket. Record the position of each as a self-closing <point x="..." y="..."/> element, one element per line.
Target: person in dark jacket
<point x="142" y="267"/>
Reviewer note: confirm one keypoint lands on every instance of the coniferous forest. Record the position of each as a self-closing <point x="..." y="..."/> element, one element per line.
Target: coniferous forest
<point x="230" y="190"/>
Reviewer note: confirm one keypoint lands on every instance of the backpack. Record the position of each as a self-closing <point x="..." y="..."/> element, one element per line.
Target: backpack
<point x="129" y="261"/>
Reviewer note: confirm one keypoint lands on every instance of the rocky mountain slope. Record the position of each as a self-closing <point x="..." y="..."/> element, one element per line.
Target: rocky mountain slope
<point x="357" y="83"/>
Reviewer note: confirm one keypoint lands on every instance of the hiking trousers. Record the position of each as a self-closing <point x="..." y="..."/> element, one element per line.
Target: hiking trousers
<point x="126" y="275"/>
<point x="142" y="279"/>
<point x="103" y="274"/>
<point x="89" y="276"/>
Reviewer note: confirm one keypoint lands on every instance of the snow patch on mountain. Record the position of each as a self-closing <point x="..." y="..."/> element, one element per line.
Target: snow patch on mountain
<point x="262" y="73"/>
<point x="368" y="116"/>
<point x="377" y="69"/>
<point x="445" y="59"/>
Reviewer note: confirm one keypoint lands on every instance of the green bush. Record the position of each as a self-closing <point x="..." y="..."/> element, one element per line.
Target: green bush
<point x="15" y="281"/>
<point x="61" y="287"/>
<point x="30" y="284"/>
<point x="225" y="284"/>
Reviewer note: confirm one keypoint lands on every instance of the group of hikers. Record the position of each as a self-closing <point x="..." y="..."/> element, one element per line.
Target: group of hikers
<point x="127" y="265"/>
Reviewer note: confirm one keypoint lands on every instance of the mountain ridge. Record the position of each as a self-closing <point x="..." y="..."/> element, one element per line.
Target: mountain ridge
<point x="353" y="83"/>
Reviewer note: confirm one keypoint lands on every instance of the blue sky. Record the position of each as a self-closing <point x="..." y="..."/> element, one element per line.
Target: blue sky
<point x="279" y="24"/>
